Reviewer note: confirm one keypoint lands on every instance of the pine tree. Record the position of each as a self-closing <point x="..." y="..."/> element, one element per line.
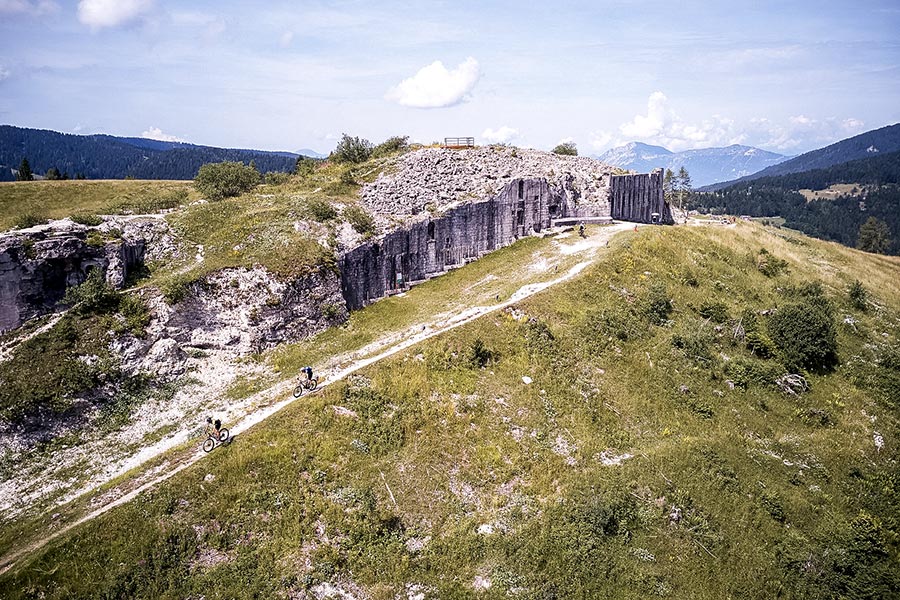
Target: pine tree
<point x="53" y="174"/>
<point x="874" y="236"/>
<point x="669" y="186"/>
<point x="683" y="185"/>
<point x="24" y="173"/>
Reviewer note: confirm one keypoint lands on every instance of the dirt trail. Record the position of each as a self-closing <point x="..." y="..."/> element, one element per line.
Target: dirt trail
<point x="445" y="323"/>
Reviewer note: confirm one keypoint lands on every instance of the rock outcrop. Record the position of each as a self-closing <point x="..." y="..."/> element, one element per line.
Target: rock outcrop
<point x="38" y="265"/>
<point x="434" y="179"/>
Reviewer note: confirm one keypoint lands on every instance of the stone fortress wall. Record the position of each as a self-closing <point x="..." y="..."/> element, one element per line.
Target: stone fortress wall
<point x="429" y="247"/>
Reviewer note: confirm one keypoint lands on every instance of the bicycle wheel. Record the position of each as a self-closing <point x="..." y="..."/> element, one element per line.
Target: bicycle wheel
<point x="298" y="391"/>
<point x="223" y="434"/>
<point x="312" y="383"/>
<point x="209" y="444"/>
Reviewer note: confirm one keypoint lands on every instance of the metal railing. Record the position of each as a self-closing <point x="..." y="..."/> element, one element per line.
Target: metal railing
<point x="459" y="142"/>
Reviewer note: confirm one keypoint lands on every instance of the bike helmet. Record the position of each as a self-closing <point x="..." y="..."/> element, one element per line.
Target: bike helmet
<point x="209" y="419"/>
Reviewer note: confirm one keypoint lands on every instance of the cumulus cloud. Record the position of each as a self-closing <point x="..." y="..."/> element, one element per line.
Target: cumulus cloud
<point x="501" y="135"/>
<point x="98" y="14"/>
<point x="662" y="125"/>
<point x="28" y="7"/>
<point x="436" y="87"/>
<point x="801" y="132"/>
<point x="155" y="133"/>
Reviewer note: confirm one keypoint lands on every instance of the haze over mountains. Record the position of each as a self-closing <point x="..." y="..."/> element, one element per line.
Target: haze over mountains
<point x="706" y="166"/>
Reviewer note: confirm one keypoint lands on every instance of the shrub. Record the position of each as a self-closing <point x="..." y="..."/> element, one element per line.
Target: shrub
<point x="347" y="177"/>
<point x="600" y="328"/>
<point x="320" y="210"/>
<point x="745" y="372"/>
<point x="477" y="355"/>
<point x="805" y="335"/>
<point x="657" y="304"/>
<point x="89" y="219"/>
<point x="351" y="150"/>
<point x="768" y="264"/>
<point x="566" y="149"/>
<point x="716" y="312"/>
<point x="175" y="289"/>
<point x="93" y="295"/>
<point x="135" y="312"/>
<point x="695" y="345"/>
<point x="306" y="166"/>
<point x="859" y="296"/>
<point x="755" y="338"/>
<point x="359" y="219"/>
<point x="225" y="179"/>
<point x="277" y="178"/>
<point x="389" y="146"/>
<point x="29" y="220"/>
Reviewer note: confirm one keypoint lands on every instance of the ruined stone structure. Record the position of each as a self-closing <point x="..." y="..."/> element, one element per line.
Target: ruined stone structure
<point x="430" y="247"/>
<point x="637" y="197"/>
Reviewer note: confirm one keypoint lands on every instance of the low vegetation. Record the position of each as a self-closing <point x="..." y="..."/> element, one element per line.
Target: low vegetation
<point x="622" y="435"/>
<point x="23" y="204"/>
<point x="566" y="149"/>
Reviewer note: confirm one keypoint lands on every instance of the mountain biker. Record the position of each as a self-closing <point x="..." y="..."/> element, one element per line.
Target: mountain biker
<point x="213" y="427"/>
<point x="581" y="229"/>
<point x="308" y="370"/>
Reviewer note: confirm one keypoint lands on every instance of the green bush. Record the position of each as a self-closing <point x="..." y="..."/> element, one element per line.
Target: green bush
<point x="359" y="219"/>
<point x="389" y="146"/>
<point x="29" y="219"/>
<point x="601" y="328"/>
<point x="804" y="332"/>
<point x="93" y="295"/>
<point x="745" y="372"/>
<point x="716" y="312"/>
<point x="755" y="338"/>
<point x="769" y="264"/>
<point x="225" y="179"/>
<point x="306" y="166"/>
<point x="277" y="178"/>
<point x="477" y="355"/>
<point x="657" y="304"/>
<point x="351" y="150"/>
<point x="135" y="312"/>
<point x="695" y="344"/>
<point x="89" y="219"/>
<point x="320" y="210"/>
<point x="566" y="149"/>
<point x="859" y="296"/>
<point x="175" y="289"/>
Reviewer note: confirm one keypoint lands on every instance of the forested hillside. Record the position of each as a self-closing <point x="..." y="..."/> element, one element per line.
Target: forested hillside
<point x="875" y="194"/>
<point x="110" y="157"/>
<point x="871" y="143"/>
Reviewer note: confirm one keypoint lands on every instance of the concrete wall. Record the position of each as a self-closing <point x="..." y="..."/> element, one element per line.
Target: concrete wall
<point x="637" y="197"/>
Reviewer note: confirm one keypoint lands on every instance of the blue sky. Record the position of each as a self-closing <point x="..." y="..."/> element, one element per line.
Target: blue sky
<point x="784" y="76"/>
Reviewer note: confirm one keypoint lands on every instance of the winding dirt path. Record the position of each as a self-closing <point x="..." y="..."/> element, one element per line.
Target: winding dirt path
<point x="188" y="457"/>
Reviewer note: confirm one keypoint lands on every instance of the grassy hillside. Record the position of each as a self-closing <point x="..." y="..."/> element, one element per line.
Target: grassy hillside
<point x="25" y="202"/>
<point x="621" y="435"/>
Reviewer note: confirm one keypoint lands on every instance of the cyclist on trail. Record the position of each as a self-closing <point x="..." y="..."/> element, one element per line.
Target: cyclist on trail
<point x="213" y="427"/>
<point x="581" y="229"/>
<point x="308" y="370"/>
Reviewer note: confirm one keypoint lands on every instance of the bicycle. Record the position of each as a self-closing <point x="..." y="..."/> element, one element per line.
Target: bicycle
<point x="211" y="441"/>
<point x="308" y="384"/>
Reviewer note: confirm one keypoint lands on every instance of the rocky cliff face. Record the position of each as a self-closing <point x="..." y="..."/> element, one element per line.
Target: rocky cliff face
<point x="38" y="265"/>
<point x="250" y="310"/>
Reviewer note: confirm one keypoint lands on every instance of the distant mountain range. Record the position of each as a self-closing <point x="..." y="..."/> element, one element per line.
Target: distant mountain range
<point x="110" y="157"/>
<point x="706" y="166"/>
<point x="864" y="145"/>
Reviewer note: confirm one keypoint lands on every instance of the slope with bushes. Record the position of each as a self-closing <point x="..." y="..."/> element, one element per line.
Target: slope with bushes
<point x="658" y="427"/>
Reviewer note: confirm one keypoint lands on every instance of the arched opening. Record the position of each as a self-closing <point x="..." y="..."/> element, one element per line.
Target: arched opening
<point x="431" y="231"/>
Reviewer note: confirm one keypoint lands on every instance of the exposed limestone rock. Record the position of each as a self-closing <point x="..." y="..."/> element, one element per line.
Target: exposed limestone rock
<point x="249" y="310"/>
<point x="433" y="179"/>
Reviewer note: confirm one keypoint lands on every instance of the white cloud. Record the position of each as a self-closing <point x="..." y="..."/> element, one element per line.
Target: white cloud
<point x="501" y="135"/>
<point x="662" y="126"/>
<point x="801" y="132"/>
<point x="436" y="87"/>
<point x="29" y="7"/>
<point x="4" y="73"/>
<point x="111" y="13"/>
<point x="155" y="133"/>
<point x="286" y="38"/>
<point x="599" y="140"/>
